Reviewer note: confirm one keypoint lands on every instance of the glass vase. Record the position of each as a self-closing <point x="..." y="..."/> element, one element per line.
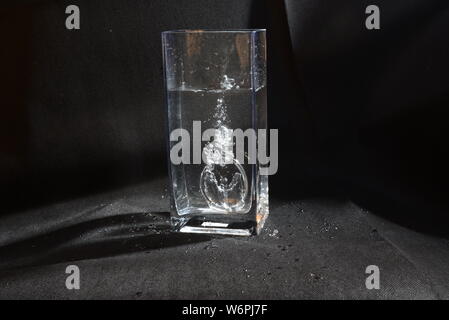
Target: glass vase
<point x="215" y="83"/>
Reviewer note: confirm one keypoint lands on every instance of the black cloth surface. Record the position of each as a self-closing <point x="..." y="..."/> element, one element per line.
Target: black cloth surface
<point x="316" y="248"/>
<point x="362" y="117"/>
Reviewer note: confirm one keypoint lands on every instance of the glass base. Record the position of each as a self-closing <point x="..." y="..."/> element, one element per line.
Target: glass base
<point x="215" y="224"/>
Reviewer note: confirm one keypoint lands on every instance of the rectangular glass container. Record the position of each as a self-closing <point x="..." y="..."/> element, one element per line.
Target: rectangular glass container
<point x="215" y="80"/>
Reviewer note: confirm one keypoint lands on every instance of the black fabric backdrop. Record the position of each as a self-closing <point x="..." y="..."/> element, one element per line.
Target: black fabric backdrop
<point x="361" y="114"/>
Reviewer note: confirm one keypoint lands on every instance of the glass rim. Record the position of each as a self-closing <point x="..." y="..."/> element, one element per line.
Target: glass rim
<point x="187" y="31"/>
